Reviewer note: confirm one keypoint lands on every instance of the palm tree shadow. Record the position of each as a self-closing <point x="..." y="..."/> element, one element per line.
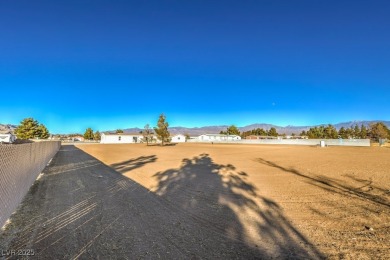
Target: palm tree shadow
<point x="218" y="198"/>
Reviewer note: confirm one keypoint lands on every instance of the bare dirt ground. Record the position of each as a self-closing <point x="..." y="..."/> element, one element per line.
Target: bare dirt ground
<point x="208" y="201"/>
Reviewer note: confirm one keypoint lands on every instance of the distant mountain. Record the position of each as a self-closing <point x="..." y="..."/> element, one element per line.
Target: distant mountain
<point x="7" y="127"/>
<point x="359" y="123"/>
<point x="195" y="131"/>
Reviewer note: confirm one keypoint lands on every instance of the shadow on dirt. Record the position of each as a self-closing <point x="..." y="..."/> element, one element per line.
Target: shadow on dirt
<point x="132" y="164"/>
<point x="218" y="198"/>
<point x="337" y="186"/>
<point x="81" y="208"/>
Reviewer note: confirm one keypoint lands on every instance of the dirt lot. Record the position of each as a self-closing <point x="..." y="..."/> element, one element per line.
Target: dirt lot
<point x="335" y="199"/>
<point x="207" y="201"/>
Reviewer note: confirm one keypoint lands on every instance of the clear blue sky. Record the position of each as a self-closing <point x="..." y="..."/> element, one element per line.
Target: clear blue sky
<point x="118" y="64"/>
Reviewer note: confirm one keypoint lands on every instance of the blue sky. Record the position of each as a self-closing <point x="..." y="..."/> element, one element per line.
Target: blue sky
<point x="119" y="64"/>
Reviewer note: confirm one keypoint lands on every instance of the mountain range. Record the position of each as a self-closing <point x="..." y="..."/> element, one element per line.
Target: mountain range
<point x="194" y="131"/>
<point x="7" y="127"/>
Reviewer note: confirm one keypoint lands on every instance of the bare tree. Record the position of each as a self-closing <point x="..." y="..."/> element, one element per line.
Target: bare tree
<point x="147" y="134"/>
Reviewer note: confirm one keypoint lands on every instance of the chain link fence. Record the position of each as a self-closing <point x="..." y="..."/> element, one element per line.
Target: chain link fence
<point x="20" y="165"/>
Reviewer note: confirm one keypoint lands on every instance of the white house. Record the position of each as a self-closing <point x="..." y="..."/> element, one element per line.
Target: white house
<point x="7" y="137"/>
<point x="218" y="137"/>
<point x="120" y="138"/>
<point x="178" y="138"/>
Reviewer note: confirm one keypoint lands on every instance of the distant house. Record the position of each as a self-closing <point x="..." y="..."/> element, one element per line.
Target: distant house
<point x="178" y="138"/>
<point x="120" y="138"/>
<point x="7" y="137"/>
<point x="218" y="137"/>
<point x="78" y="139"/>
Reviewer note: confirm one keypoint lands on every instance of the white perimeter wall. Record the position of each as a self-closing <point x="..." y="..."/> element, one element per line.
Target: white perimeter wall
<point x="328" y="142"/>
<point x="213" y="138"/>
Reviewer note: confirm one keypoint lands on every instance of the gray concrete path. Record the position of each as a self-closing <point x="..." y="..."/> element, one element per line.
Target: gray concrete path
<point x="84" y="209"/>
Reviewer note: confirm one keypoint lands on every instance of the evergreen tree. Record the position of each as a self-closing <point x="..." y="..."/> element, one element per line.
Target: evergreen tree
<point x="162" y="129"/>
<point x="260" y="131"/>
<point x="356" y="132"/>
<point x="97" y="136"/>
<point x="30" y="128"/>
<point x="379" y="131"/>
<point x="350" y="132"/>
<point x="330" y="132"/>
<point x="363" y="132"/>
<point x="233" y="130"/>
<point x="343" y="133"/>
<point x="272" y="132"/>
<point x="88" y="135"/>
<point x="42" y="132"/>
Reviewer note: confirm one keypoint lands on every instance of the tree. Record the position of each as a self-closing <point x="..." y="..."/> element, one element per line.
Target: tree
<point x="316" y="132"/>
<point x="97" y="136"/>
<point x="147" y="133"/>
<point x="272" y="132"/>
<point x="260" y="131"/>
<point x="43" y="133"/>
<point x="119" y="131"/>
<point x="379" y="131"/>
<point x="233" y="130"/>
<point x="356" y="132"/>
<point x="162" y="129"/>
<point x="30" y="128"/>
<point x="343" y="133"/>
<point x="330" y="132"/>
<point x="88" y="135"/>
<point x="363" y="132"/>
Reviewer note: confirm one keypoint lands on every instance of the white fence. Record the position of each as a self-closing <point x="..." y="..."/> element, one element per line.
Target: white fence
<point x="20" y="165"/>
<point x="310" y="142"/>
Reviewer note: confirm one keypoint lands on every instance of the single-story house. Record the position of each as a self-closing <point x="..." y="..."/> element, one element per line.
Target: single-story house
<point x="218" y="137"/>
<point x="7" y="137"/>
<point x="178" y="138"/>
<point x="120" y="138"/>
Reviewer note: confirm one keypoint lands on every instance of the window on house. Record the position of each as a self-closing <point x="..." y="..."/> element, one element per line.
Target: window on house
<point x="119" y="138"/>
